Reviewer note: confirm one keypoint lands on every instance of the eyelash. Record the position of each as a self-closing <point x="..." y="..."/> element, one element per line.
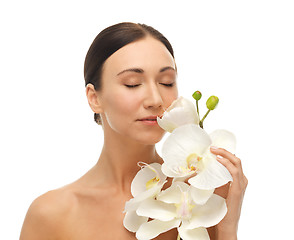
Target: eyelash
<point x="133" y="86"/>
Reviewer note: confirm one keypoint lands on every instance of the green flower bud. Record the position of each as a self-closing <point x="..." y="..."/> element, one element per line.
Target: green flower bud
<point x="212" y="102"/>
<point x="197" y="95"/>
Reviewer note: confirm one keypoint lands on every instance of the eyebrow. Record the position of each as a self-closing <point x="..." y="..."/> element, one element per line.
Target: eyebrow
<point x="166" y="68"/>
<point x="136" y="70"/>
<point x="140" y="70"/>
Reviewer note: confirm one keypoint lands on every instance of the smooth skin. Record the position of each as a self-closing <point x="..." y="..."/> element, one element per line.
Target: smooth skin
<point x="92" y="207"/>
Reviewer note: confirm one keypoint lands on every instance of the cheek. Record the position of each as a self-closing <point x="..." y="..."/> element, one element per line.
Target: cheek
<point x="170" y="97"/>
<point x="124" y="104"/>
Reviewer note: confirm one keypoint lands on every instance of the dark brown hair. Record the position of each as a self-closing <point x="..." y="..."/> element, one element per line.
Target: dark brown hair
<point x="108" y="42"/>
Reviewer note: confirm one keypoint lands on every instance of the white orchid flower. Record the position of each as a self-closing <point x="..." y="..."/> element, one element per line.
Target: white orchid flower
<point x="175" y="208"/>
<point x="146" y="184"/>
<point x="180" y="112"/>
<point x="186" y="153"/>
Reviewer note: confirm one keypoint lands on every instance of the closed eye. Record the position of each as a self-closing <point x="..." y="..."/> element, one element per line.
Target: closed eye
<point x="168" y="85"/>
<point x="132" y="86"/>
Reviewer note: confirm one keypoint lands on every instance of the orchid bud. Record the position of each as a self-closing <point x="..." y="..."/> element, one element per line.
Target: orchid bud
<point x="197" y="95"/>
<point x="212" y="102"/>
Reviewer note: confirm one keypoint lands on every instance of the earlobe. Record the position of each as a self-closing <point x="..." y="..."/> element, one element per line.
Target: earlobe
<point x="93" y="99"/>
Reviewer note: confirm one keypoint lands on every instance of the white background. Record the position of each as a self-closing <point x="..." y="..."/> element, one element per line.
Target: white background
<point x="241" y="51"/>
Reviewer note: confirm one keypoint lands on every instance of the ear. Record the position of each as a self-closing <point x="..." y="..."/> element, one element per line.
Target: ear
<point x="93" y="99"/>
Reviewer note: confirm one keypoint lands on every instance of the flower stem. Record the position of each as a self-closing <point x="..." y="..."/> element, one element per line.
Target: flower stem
<point x="197" y="108"/>
<point x="201" y="122"/>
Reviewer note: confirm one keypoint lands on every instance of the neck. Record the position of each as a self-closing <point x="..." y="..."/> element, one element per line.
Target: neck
<point x="117" y="165"/>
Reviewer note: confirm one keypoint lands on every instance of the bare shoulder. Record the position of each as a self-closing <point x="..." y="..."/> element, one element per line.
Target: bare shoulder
<point x="47" y="214"/>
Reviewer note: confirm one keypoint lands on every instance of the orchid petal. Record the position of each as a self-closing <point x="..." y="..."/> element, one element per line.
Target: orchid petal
<point x="133" y="203"/>
<point x="166" y="123"/>
<point x="223" y="139"/>
<point x="173" y="170"/>
<point x="147" y="173"/>
<point x="181" y="112"/>
<point x="153" y="228"/>
<point x="157" y="210"/>
<point x="209" y="214"/>
<point x="192" y="234"/>
<point x="173" y="193"/>
<point x="190" y="112"/>
<point x="132" y="221"/>
<point x="177" y="117"/>
<point x="169" y="170"/>
<point x="200" y="196"/>
<point x="179" y="102"/>
<point x="182" y="142"/>
<point x="181" y="179"/>
<point x="213" y="176"/>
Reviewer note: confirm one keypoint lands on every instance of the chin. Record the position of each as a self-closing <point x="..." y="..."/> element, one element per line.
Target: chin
<point x="152" y="138"/>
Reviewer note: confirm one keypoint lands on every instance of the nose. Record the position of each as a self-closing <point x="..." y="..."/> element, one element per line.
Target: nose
<point x="153" y="97"/>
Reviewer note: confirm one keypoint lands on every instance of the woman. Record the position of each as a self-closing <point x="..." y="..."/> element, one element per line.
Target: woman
<point x="130" y="75"/>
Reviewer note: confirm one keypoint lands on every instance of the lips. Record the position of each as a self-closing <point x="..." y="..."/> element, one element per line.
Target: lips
<point x="150" y="118"/>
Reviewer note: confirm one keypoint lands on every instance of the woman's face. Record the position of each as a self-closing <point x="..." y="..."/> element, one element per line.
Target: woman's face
<point x="138" y="80"/>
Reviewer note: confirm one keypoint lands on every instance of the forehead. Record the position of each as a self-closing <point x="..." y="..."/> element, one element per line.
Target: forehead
<point x="148" y="53"/>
